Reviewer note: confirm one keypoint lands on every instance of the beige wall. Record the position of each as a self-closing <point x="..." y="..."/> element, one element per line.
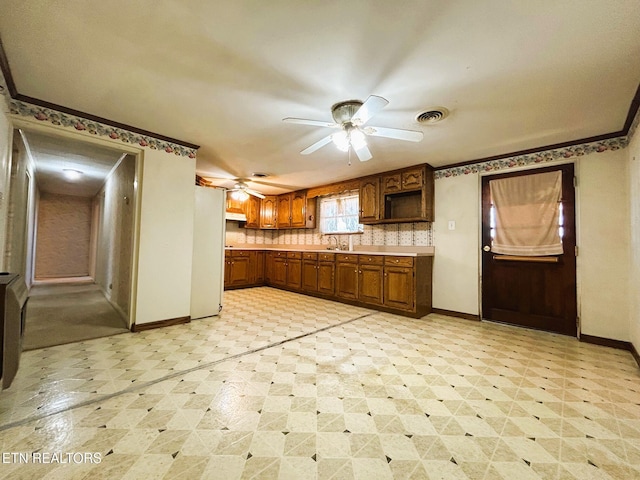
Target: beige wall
<point x="603" y="238"/>
<point x="114" y="251"/>
<point x="166" y="237"/>
<point x="63" y="236"/>
<point x="633" y="160"/>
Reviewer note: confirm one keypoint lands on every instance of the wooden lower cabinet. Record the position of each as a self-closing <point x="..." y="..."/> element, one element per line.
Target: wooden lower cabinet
<point x="347" y="276"/>
<point x="257" y="266"/>
<point x="237" y="269"/>
<point x="326" y="273"/>
<point x="399" y="291"/>
<point x="310" y="272"/>
<point x="279" y="272"/>
<point x="244" y="268"/>
<point x="371" y="281"/>
<point x="400" y="284"/>
<point x="294" y="270"/>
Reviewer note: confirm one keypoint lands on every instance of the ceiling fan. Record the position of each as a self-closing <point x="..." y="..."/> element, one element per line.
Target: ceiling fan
<point x="240" y="190"/>
<point x="350" y="118"/>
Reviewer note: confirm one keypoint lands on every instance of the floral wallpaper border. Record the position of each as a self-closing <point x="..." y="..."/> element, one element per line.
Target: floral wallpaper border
<point x="542" y="156"/>
<point x="54" y="117"/>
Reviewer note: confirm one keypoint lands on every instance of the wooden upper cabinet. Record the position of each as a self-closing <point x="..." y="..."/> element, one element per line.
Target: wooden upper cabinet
<point x="408" y="179"/>
<point x="252" y="211"/>
<point x="391" y="183"/>
<point x="268" y="212"/>
<point x="233" y="205"/>
<point x="412" y="179"/>
<point x="369" y="200"/>
<point x="298" y="209"/>
<point x="284" y="211"/>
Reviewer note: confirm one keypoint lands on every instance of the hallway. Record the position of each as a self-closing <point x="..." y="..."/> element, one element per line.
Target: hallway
<point x="64" y="313"/>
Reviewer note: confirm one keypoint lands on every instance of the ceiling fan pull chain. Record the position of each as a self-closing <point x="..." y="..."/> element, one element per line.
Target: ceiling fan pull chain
<point x="349" y="153"/>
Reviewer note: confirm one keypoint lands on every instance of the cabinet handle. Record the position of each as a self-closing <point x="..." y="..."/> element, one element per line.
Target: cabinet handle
<point x="386" y="274"/>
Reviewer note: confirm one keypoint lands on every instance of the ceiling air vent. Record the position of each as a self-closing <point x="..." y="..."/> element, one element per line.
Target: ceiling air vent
<point x="432" y="115"/>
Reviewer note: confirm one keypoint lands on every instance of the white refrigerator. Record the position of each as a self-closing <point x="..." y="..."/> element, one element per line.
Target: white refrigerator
<point x="207" y="274"/>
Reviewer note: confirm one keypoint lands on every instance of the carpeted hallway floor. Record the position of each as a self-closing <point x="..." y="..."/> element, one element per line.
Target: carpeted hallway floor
<point x="66" y="313"/>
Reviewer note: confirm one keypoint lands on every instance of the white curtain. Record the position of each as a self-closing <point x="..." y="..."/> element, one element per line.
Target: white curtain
<point x="527" y="214"/>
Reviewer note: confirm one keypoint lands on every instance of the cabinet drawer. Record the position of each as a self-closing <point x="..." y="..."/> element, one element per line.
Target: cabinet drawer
<point x="371" y="259"/>
<point x="401" y="261"/>
<point x="310" y="256"/>
<point x="341" y="257"/>
<point x="294" y="254"/>
<point x="240" y="253"/>
<point x="326" y="257"/>
<point x="280" y="254"/>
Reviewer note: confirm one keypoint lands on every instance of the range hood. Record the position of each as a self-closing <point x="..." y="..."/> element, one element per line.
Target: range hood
<point x="239" y="217"/>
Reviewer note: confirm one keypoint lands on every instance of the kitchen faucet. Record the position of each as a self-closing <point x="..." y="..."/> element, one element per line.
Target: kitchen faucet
<point x="337" y="247"/>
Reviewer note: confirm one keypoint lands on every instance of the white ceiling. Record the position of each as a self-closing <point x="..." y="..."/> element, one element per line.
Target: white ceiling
<point x="222" y="74"/>
<point x="53" y="154"/>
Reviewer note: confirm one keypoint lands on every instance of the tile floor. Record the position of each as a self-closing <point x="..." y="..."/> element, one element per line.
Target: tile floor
<point x="287" y="386"/>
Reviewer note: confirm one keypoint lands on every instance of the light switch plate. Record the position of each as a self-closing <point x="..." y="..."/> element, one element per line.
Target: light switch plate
<point x="452" y="224"/>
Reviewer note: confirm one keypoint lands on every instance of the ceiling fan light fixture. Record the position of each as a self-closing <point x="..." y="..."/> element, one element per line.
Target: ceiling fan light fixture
<point x="357" y="139"/>
<point x="341" y="140"/>
<point x="240" y="195"/>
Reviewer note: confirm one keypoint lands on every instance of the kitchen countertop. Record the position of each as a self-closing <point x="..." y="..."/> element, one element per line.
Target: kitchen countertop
<point x="359" y="250"/>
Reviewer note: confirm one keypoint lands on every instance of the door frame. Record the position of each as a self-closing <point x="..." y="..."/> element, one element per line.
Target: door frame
<point x="533" y="169"/>
<point x="138" y="153"/>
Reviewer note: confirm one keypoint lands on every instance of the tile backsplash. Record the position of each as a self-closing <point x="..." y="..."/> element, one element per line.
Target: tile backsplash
<point x="393" y="234"/>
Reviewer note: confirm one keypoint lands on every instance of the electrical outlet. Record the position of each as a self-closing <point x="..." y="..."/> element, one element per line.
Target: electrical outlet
<point x="452" y="224"/>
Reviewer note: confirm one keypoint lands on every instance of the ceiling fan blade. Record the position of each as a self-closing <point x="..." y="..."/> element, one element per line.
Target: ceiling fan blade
<point x="254" y="193"/>
<point x="369" y="108"/>
<point x="315" y="123"/>
<point x="363" y="153"/>
<point x="319" y="144"/>
<point x="397" y="133"/>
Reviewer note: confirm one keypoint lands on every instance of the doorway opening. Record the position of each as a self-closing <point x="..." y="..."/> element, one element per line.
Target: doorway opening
<point x="71" y="235"/>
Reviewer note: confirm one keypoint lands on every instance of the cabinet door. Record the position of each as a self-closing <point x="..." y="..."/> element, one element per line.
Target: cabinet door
<point x="233" y="205"/>
<point x="284" y="211"/>
<point x="370" y="283"/>
<point x="326" y="272"/>
<point x="258" y="267"/>
<point x="398" y="287"/>
<point x="240" y="271"/>
<point x="412" y="179"/>
<point x="310" y="275"/>
<point x="268" y="212"/>
<point x="294" y="273"/>
<point x="391" y="183"/>
<point x="279" y="273"/>
<point x="369" y="199"/>
<point x="268" y="267"/>
<point x="347" y="280"/>
<point x="227" y="269"/>
<point x="252" y="208"/>
<point x="298" y="209"/>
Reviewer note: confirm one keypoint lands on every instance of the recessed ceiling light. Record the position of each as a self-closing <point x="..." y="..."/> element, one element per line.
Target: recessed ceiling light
<point x="71" y="174"/>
